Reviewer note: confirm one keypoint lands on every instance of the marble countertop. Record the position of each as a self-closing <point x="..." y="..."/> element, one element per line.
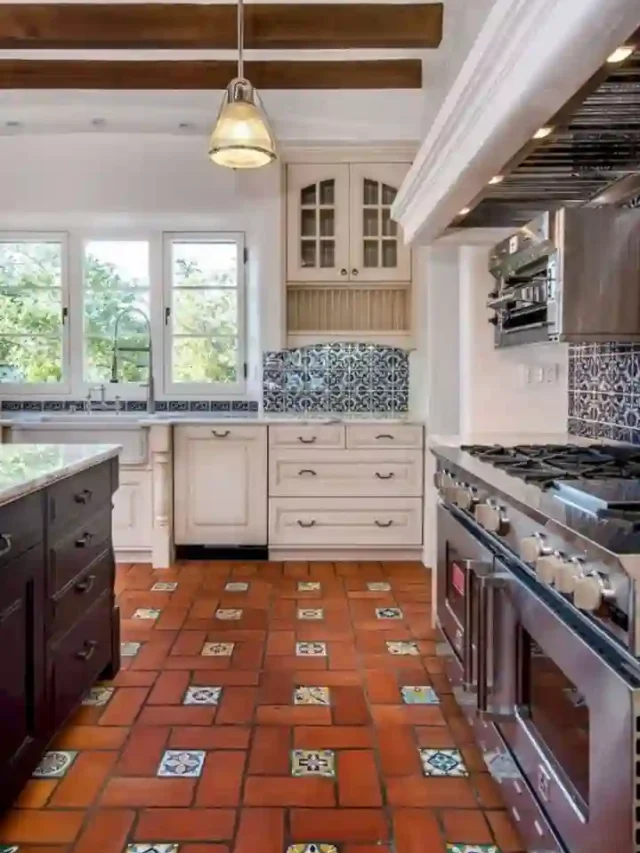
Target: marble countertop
<point x="27" y="468"/>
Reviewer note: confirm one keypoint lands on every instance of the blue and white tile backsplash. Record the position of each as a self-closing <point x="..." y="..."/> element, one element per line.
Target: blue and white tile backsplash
<point x="604" y="391"/>
<point x="235" y="407"/>
<point x="341" y="378"/>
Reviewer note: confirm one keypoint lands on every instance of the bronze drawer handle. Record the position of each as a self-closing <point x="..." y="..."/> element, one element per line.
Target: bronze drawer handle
<point x="83" y="497"/>
<point x="84" y="540"/>
<point x="85" y="585"/>
<point x="221" y="434"/>
<point x="385" y="435"/>
<point x="6" y="539"/>
<point x="87" y="653"/>
<point x="383" y="523"/>
<point x="304" y="440"/>
<point x="311" y="523"/>
<point x="389" y="476"/>
<point x="304" y="471"/>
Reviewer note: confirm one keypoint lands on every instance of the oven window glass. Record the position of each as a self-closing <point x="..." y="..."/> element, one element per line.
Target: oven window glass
<point x="560" y="717"/>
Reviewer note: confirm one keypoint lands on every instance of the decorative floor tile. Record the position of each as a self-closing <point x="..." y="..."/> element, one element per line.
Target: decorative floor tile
<point x="10" y="849"/>
<point x="54" y="764"/>
<point x="402" y="648"/>
<point x="227" y="614"/>
<point x="202" y="696"/>
<point x="472" y="848"/>
<point x="152" y="848"/>
<point x="442" y="762"/>
<point x="311" y="696"/>
<point x="146" y="613"/>
<point x="311" y="650"/>
<point x="217" y="650"/>
<point x="129" y="650"/>
<point x="378" y="586"/>
<point x="163" y="586"/>
<point x="98" y="696"/>
<point x="236" y="586"/>
<point x="177" y="762"/>
<point x="419" y="696"/>
<point x="308" y="762"/>
<point x="388" y="613"/>
<point x="311" y="848"/>
<point x="309" y="586"/>
<point x="310" y="613"/>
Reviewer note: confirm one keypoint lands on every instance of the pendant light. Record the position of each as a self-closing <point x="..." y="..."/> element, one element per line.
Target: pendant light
<point x="242" y="138"/>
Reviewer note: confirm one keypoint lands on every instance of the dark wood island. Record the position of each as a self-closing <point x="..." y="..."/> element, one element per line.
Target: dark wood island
<point x="59" y="624"/>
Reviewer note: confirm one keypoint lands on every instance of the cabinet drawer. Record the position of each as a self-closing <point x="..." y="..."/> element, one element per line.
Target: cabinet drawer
<point x="79" y="497"/>
<point x="73" y="601"/>
<point x="345" y="473"/>
<point x="77" y="658"/>
<point x="21" y="526"/>
<point x="333" y="522"/>
<point x="221" y="432"/>
<point x="306" y="435"/>
<point x="78" y="549"/>
<point x="383" y="435"/>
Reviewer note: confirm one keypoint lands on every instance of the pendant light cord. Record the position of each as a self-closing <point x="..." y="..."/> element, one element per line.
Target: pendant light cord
<point x="240" y="39"/>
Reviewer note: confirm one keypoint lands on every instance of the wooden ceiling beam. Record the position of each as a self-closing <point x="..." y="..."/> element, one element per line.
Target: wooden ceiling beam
<point x="178" y="74"/>
<point x="268" y="26"/>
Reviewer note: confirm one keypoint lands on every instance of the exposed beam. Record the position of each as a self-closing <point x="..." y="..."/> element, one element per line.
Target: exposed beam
<point x="81" y="74"/>
<point x="267" y="26"/>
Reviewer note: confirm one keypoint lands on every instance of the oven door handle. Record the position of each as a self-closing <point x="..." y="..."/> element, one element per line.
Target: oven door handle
<point x="472" y="569"/>
<point x="487" y="584"/>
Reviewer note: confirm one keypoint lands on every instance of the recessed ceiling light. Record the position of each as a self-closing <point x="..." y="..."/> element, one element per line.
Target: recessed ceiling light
<point x="543" y="132"/>
<point x="185" y="125"/>
<point x="13" y="124"/>
<point x="620" y="54"/>
<point x="497" y="179"/>
<point x="98" y="122"/>
<point x="464" y="211"/>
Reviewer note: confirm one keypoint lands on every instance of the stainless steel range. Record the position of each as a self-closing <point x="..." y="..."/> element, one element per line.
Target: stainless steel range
<point x="538" y="600"/>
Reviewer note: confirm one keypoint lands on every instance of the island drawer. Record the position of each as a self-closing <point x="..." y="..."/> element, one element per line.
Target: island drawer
<point x="78" y="658"/>
<point x="71" y="602"/>
<point x="21" y="526"/>
<point x="76" y="550"/>
<point x="80" y="497"/>
<point x="307" y="435"/>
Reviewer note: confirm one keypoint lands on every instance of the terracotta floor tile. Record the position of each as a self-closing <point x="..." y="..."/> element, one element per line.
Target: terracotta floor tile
<point x="185" y="825"/>
<point x="36" y="793"/>
<point x="349" y="706"/>
<point x="382" y="687"/>
<point x="337" y="825"/>
<point x="435" y="736"/>
<point x="270" y="751"/>
<point x="488" y="791"/>
<point x="237" y="705"/>
<point x="91" y="737"/>
<point x="329" y="678"/>
<point x="281" y="643"/>
<point x="289" y="791"/>
<point x="107" y="832"/>
<point x="177" y="715"/>
<point x="124" y="706"/>
<point x="84" y="779"/>
<point x="436" y="792"/>
<point x="200" y="737"/>
<point x="332" y="737"/>
<point x="144" y="678"/>
<point x="417" y="831"/>
<point x="204" y="848"/>
<point x="398" y="751"/>
<point x="136" y="792"/>
<point x="505" y="834"/>
<point x="143" y="751"/>
<point x="293" y="715"/>
<point x="466" y="825"/>
<point x="407" y="715"/>
<point x="46" y="826"/>
<point x="226" y="677"/>
<point x="169" y="689"/>
<point x="221" y="780"/>
<point x="358" y="784"/>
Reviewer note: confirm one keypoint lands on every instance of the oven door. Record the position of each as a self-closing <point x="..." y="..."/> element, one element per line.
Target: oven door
<point x="575" y="729"/>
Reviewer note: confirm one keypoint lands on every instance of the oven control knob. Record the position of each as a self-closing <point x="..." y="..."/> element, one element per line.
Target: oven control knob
<point x="490" y="518"/>
<point x="532" y="547"/>
<point x="567" y="576"/>
<point x="548" y="567"/>
<point x="587" y="593"/>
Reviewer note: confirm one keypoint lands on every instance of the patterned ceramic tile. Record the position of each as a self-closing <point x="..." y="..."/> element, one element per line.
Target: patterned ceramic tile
<point x="472" y="848"/>
<point x="236" y="586"/>
<point x="146" y="613"/>
<point x="164" y="587"/>
<point x="217" y="650"/>
<point x="309" y="586"/>
<point x="419" y="696"/>
<point x="228" y="614"/>
<point x="186" y="763"/>
<point x="152" y="848"/>
<point x="314" y="847"/>
<point x="202" y="696"/>
<point x="54" y="764"/>
<point x="308" y="762"/>
<point x="8" y="849"/>
<point x="98" y="696"/>
<point x="402" y="648"/>
<point x="388" y="613"/>
<point x="442" y="762"/>
<point x="129" y="650"/>
<point x="311" y="696"/>
<point x="378" y="586"/>
<point x="310" y="613"/>
<point x="311" y="650"/>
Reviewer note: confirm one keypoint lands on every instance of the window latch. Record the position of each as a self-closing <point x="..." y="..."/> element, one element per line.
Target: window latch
<point x="65" y="314"/>
<point x="167" y="316"/>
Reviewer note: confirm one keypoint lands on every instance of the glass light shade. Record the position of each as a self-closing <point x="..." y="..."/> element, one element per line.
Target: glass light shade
<point x="242" y="138"/>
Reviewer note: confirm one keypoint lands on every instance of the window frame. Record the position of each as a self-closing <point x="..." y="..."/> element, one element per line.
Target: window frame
<point x="13" y="390"/>
<point x="209" y="390"/>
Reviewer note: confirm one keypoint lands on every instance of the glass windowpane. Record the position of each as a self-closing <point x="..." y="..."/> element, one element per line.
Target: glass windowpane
<point x="205" y="360"/>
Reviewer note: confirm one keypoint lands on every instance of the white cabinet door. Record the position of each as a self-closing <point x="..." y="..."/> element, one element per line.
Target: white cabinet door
<point x="133" y="511"/>
<point x="317" y="222"/>
<point x="377" y="250"/>
<point x="220" y="485"/>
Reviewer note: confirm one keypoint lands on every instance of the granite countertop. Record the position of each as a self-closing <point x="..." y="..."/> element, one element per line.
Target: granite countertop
<point x="507" y="439"/>
<point x="130" y="420"/>
<point x="27" y="468"/>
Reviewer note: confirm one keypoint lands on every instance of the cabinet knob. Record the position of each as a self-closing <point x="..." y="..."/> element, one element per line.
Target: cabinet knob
<point x="84" y="540"/>
<point x="343" y="271"/>
<point x="221" y="434"/>
<point x="88" y="651"/>
<point x="85" y="585"/>
<point x="354" y="271"/>
<point x="83" y="497"/>
<point x="5" y="538"/>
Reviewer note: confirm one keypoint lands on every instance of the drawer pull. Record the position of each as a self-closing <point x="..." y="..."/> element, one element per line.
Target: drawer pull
<point x="385" y="476"/>
<point x="304" y="471"/>
<point x="311" y="523"/>
<point x="88" y="651"/>
<point x="304" y="440"/>
<point x="383" y="523"/>
<point x="85" y="585"/>
<point x="385" y="435"/>
<point x="83" y="497"/>
<point x="84" y="540"/>
<point x="221" y="434"/>
<point x="5" y="538"/>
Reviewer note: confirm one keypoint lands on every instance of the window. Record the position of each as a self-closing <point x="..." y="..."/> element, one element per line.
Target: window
<point x="33" y="312"/>
<point x="204" y="313"/>
<point x="116" y="292"/>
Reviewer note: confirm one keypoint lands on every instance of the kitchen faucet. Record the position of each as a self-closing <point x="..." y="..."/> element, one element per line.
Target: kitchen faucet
<point x="151" y="397"/>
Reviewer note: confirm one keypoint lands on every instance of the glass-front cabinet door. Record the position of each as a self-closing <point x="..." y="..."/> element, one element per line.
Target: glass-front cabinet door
<point x="377" y="251"/>
<point x="318" y="222"/>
